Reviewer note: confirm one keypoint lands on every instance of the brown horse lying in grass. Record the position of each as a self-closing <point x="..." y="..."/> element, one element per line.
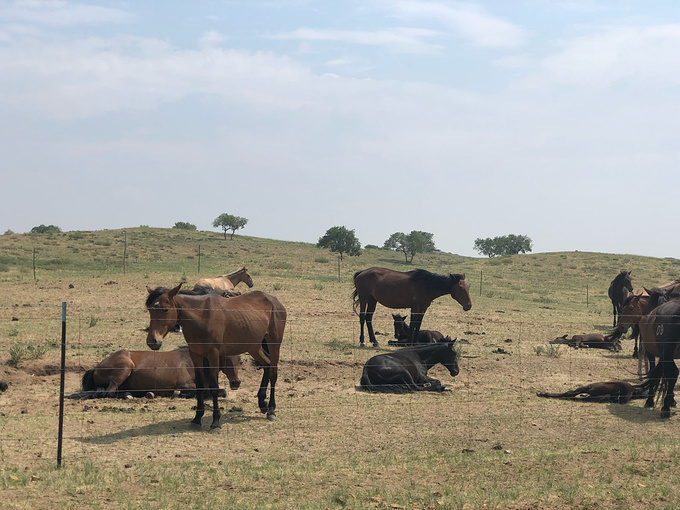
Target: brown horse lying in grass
<point x="403" y="336"/>
<point x="161" y="373"/>
<point x="591" y="340"/>
<point x="614" y="392"/>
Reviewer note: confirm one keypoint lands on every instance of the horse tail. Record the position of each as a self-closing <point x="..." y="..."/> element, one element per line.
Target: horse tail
<point x="88" y="383"/>
<point x="355" y="294"/>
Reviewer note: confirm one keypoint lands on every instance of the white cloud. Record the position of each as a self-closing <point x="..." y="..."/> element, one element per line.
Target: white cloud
<point x="468" y="21"/>
<point x="55" y="13"/>
<point x="402" y="40"/>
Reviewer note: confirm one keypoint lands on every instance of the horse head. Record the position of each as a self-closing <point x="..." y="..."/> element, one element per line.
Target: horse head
<point x="633" y="308"/>
<point x="246" y="278"/>
<point x="163" y="314"/>
<point x="401" y="329"/>
<point x="451" y="358"/>
<point x="460" y="291"/>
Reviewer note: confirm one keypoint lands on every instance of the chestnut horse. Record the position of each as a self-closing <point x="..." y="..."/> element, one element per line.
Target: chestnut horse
<point x="215" y="326"/>
<point x="227" y="283"/>
<point x="619" y="289"/>
<point x="139" y="372"/>
<point x="412" y="289"/>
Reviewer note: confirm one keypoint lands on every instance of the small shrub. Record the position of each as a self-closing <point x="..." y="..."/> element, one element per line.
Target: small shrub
<point x="16" y="354"/>
<point x="550" y="350"/>
<point x="321" y="260"/>
<point x="37" y="351"/>
<point x="277" y="286"/>
<point x="318" y="286"/>
<point x="13" y="332"/>
<point x="92" y="321"/>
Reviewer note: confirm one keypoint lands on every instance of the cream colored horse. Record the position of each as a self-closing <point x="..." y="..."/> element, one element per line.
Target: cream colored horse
<point x="226" y="284"/>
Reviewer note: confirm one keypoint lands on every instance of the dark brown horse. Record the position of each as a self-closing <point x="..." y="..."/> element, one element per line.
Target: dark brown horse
<point x="215" y="326"/>
<point x="619" y="289"/>
<point x="412" y="289"/>
<point x="402" y="333"/>
<point x="615" y="392"/>
<point x="140" y="372"/>
<point x="406" y="369"/>
<point x="659" y="337"/>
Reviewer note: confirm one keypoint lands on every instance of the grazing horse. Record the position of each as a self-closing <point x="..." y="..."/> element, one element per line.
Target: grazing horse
<point x="619" y="289"/>
<point x="227" y="283"/>
<point x="215" y="326"/>
<point x="402" y="333"/>
<point x="406" y="369"/>
<point x="412" y="289"/>
<point x="139" y="372"/>
<point x="591" y="340"/>
<point x="615" y="392"/>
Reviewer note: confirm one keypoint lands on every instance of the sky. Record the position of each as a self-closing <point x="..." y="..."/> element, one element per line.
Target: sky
<point x="558" y="120"/>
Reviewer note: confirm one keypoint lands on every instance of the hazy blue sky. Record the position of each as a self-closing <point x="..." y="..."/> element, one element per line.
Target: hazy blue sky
<point x="559" y="120"/>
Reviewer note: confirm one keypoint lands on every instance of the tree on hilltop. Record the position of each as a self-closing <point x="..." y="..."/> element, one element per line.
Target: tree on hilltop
<point x="416" y="241"/>
<point x="229" y="222"/>
<point x="503" y="245"/>
<point x="340" y="240"/>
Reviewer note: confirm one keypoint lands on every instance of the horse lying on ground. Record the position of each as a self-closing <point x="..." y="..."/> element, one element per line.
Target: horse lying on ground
<point x="614" y="392"/>
<point x="591" y="340"/>
<point x="403" y="336"/>
<point x="140" y="372"/>
<point x="405" y="370"/>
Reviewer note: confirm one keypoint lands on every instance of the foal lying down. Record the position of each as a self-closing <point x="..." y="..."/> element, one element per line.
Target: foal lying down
<point x="614" y="392"/>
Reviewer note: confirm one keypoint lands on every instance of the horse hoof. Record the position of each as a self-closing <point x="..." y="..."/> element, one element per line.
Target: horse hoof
<point x="149" y="394"/>
<point x="665" y="414"/>
<point x="271" y="416"/>
<point x="216" y="430"/>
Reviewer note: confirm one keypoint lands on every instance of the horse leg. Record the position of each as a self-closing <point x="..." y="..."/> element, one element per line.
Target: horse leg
<point x="414" y="328"/>
<point x="654" y="377"/>
<point x="615" y="310"/>
<point x="670" y="377"/>
<point x="273" y="377"/>
<point x="362" y="320"/>
<point x="211" y="366"/>
<point x="370" y="310"/>
<point x="197" y="360"/>
<point x="265" y="362"/>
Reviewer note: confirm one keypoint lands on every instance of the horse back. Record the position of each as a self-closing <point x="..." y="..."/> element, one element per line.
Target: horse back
<point x="393" y="289"/>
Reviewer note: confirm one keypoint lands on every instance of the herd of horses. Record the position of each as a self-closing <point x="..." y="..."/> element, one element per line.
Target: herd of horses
<point x="219" y="324"/>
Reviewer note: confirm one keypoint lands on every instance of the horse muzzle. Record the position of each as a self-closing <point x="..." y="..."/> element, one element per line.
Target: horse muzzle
<point x="153" y="342"/>
<point x="467" y="306"/>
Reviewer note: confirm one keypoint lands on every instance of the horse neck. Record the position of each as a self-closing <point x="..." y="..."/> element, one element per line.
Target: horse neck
<point x="431" y="356"/>
<point x="236" y="276"/>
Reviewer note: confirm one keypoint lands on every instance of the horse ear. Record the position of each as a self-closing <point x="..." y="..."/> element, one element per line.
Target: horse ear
<point x="174" y="291"/>
<point x="149" y="289"/>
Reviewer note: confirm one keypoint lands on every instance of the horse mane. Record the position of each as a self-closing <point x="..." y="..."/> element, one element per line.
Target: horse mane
<point x="154" y="295"/>
<point x="434" y="280"/>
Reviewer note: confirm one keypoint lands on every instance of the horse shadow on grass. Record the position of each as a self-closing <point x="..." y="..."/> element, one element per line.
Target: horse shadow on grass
<point x="163" y="428"/>
<point x="634" y="414"/>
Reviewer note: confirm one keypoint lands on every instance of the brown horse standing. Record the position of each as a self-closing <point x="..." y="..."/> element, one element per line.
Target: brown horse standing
<point x="215" y="326"/>
<point x="227" y="283"/>
<point x="660" y="333"/>
<point x="412" y="289"/>
<point x="619" y="289"/>
<point x="139" y="372"/>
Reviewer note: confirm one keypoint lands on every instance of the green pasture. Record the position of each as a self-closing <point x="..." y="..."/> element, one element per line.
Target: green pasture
<point x="488" y="443"/>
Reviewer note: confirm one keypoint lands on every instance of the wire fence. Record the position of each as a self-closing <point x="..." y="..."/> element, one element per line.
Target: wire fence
<point x="491" y="403"/>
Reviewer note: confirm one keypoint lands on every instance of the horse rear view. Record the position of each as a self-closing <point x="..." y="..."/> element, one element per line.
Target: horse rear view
<point x="396" y="289"/>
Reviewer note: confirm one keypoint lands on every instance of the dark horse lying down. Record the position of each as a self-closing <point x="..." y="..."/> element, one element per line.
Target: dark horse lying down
<point x="615" y="392"/>
<point x="140" y="372"/>
<point x="402" y="333"/>
<point x="406" y="369"/>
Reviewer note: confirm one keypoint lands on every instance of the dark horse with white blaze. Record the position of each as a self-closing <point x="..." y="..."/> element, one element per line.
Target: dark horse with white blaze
<point x="406" y="369"/>
<point x="395" y="289"/>
<point x="215" y="326"/>
<point x="159" y="372"/>
<point x="619" y="289"/>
